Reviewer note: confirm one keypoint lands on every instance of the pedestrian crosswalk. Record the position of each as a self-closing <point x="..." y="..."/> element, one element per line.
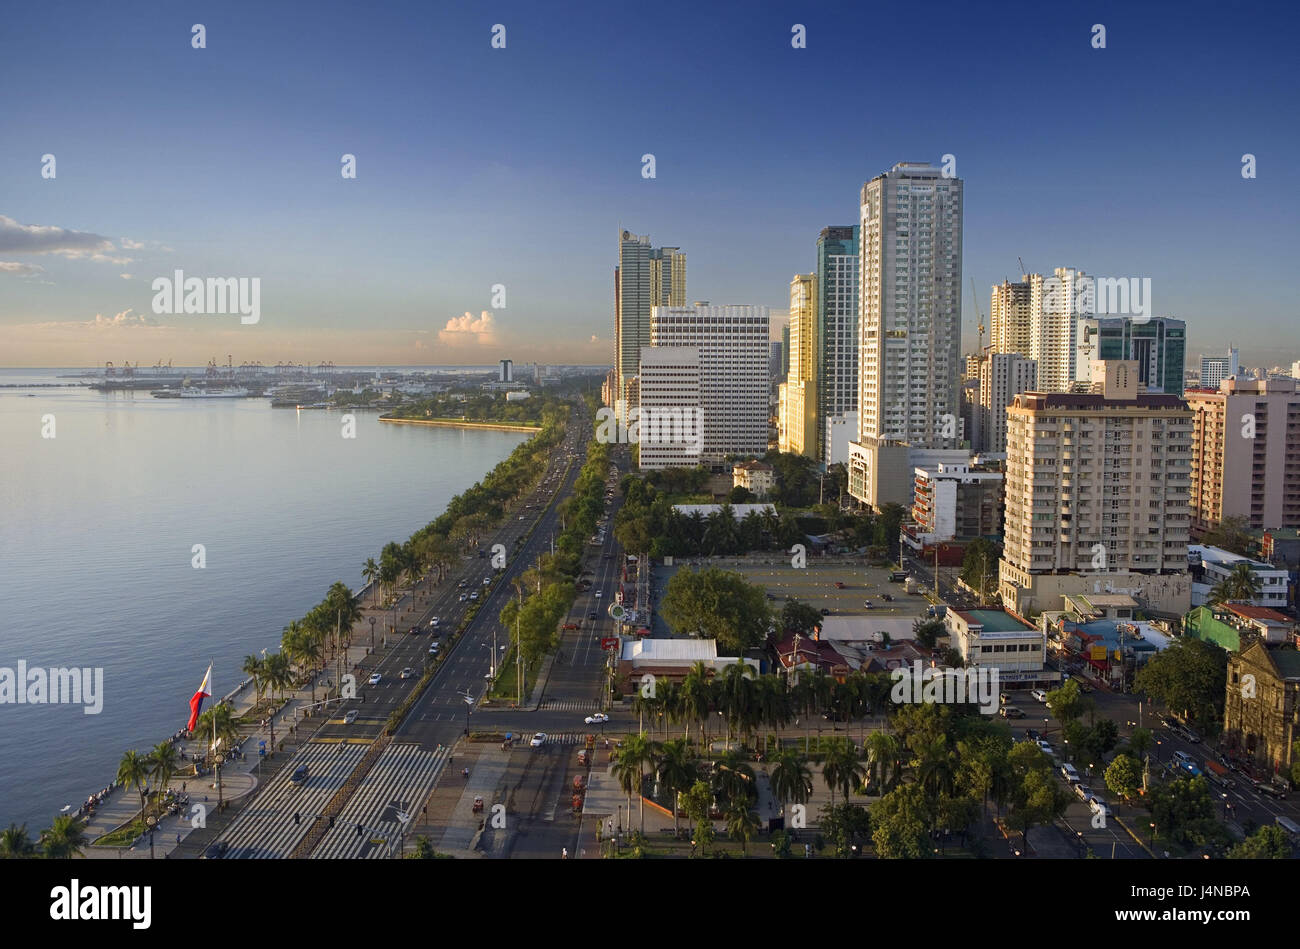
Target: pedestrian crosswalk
<point x="394" y="790"/>
<point x="567" y="738"/>
<point x="570" y="705"/>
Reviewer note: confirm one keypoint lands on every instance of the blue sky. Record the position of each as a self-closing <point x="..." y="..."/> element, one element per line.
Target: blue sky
<point x="479" y="166"/>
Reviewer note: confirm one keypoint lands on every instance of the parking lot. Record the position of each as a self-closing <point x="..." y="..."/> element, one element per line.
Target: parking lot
<point x="813" y="584"/>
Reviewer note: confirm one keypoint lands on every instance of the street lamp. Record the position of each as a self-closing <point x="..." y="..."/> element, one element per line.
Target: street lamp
<point x="372" y="632"/>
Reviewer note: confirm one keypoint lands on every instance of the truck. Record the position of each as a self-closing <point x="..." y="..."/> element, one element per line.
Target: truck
<point x="1219" y="774"/>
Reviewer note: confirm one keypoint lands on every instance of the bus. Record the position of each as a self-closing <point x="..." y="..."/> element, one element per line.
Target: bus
<point x="1290" y="826"/>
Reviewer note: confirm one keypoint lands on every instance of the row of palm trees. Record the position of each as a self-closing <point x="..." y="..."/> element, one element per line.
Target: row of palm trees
<point x="158" y="767"/>
<point x="63" y="839"/>
<point x="1240" y="585"/>
<point x="749" y="703"/>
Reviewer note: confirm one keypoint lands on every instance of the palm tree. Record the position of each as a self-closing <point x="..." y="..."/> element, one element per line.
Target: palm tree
<point x="640" y="751"/>
<point x="628" y="771"/>
<point x="162" y="765"/>
<point x="733" y="779"/>
<point x="15" y="844"/>
<point x="742" y="825"/>
<point x="134" y="770"/>
<point x="791" y="778"/>
<point x="842" y="768"/>
<point x="307" y="655"/>
<point x="1239" y="585"/>
<point x="370" y="573"/>
<point x="695" y="696"/>
<point x="64" y="839"/>
<point x="737" y="695"/>
<point x="937" y="769"/>
<point x="218" y="719"/>
<point x="253" y="667"/>
<point x="677" y="772"/>
<point x="882" y="761"/>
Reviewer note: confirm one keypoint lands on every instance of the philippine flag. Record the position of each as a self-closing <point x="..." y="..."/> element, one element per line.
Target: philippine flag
<point x="196" y="703"/>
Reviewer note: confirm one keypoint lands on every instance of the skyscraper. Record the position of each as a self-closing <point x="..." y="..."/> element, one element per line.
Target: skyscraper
<point x="1002" y="377"/>
<point x="798" y="423"/>
<point x="1157" y="345"/>
<point x="1214" y="369"/>
<point x="1011" y="318"/>
<point x="733" y="380"/>
<point x="646" y="277"/>
<point x="909" y="324"/>
<point x="1057" y="305"/>
<point x="836" y="329"/>
<point x="1097" y="494"/>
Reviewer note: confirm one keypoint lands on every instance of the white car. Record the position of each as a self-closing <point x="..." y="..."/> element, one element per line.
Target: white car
<point x="598" y="594"/>
<point x="350" y="717"/>
<point x="407" y="672"/>
<point x="600" y="718"/>
<point x="538" y="740"/>
<point x="433" y="623"/>
<point x="463" y="597"/>
<point x="433" y="649"/>
<point x="376" y="679"/>
<point x="1040" y="695"/>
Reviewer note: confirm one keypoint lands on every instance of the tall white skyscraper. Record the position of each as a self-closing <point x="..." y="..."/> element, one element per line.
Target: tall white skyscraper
<point x="733" y="346"/>
<point x="909" y="306"/>
<point x="668" y="409"/>
<point x="646" y="277"/>
<point x="1058" y="304"/>
<point x="1011" y="318"/>
<point x="1002" y="376"/>
<point x="836" y="329"/>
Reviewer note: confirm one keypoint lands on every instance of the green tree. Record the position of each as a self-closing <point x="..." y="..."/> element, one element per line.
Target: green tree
<point x="846" y="827"/>
<point x="742" y="825"/>
<point x="162" y="763"/>
<point x="1184" y="811"/>
<point x="719" y="605"/>
<point x="927" y="632"/>
<point x="791" y="778"/>
<point x="1267" y="843"/>
<point x="799" y="617"/>
<point x="15" y="844"/>
<point x="64" y="839"/>
<point x="677" y="772"/>
<point x="1239" y="586"/>
<point x="1231" y="534"/>
<point x="899" y="822"/>
<point x="979" y="565"/>
<point x="842" y="767"/>
<point x="133" y="772"/>
<point x="1124" y="776"/>
<point x="1189" y="677"/>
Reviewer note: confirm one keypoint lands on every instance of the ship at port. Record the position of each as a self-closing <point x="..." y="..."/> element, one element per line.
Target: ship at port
<point x="225" y="392"/>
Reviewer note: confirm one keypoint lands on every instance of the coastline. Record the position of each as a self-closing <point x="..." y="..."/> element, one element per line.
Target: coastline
<point x="459" y="423"/>
<point x="242" y="693"/>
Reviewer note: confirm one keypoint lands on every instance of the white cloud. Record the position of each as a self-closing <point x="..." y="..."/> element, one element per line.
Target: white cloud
<point x="10" y="266"/>
<point x="48" y="239"/>
<point x="126" y="276"/>
<point x="468" y="330"/>
<point x="128" y="244"/>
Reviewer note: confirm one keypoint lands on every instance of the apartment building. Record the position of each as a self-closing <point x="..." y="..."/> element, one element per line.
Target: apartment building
<point x="1246" y="453"/>
<point x="1002" y="377"/>
<point x="836" y="329"/>
<point x="957" y="501"/>
<point x="798" y="415"/>
<point x="1011" y="318"/>
<point x="669" y="416"/>
<point x="1097" y="490"/>
<point x="910" y="256"/>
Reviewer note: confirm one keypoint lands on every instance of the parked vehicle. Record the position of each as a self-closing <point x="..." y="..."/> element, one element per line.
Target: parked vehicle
<point x="1011" y="711"/>
<point x="1040" y="695"/>
<point x="1219" y="774"/>
<point x="1069" y="773"/>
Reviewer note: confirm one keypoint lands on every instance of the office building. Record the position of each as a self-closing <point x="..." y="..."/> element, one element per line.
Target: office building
<point x="1157" y="345"/>
<point x="732" y="341"/>
<point x="1097" y="495"/>
<point x="909" y="325"/>
<point x="668" y="416"/>
<point x="1214" y="369"/>
<point x="836" y="329"/>
<point x="1246" y="453"/>
<point x="506" y="373"/>
<point x="798" y="421"/>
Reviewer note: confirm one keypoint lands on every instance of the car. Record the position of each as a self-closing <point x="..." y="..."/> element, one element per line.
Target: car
<point x="570" y="626"/>
<point x="1032" y="735"/>
<point x="600" y="718"/>
<point x="1069" y="773"/>
<point x="825" y="612"/>
<point x="376" y="679"/>
<point x="1184" y="758"/>
<point x="1040" y="695"/>
<point x="433" y="623"/>
<point x="301" y="774"/>
<point x="591" y="615"/>
<point x="1083" y="792"/>
<point x="487" y="581"/>
<point x="598" y="594"/>
<point x="463" y="597"/>
<point x="868" y="604"/>
<point x="1046" y="747"/>
<point x="1271" y="789"/>
<point x="1099" y="807"/>
<point x="887" y="597"/>
<point x="414" y="631"/>
<point x="1011" y="711"/>
<point x="538" y="740"/>
<point x="407" y="672"/>
<point x="350" y="717"/>
<point x="474" y="596"/>
<point x="839" y="584"/>
<point x="433" y="649"/>
<point x="462" y="585"/>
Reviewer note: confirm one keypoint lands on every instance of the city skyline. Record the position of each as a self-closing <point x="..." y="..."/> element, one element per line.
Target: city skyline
<point x="231" y="168"/>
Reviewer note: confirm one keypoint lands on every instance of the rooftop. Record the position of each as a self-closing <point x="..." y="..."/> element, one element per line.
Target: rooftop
<point x="993" y="621"/>
<point x="676" y="650"/>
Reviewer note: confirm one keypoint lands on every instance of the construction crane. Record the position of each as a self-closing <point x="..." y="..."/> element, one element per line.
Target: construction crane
<point x="1023" y="272"/>
<point x="979" y="313"/>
